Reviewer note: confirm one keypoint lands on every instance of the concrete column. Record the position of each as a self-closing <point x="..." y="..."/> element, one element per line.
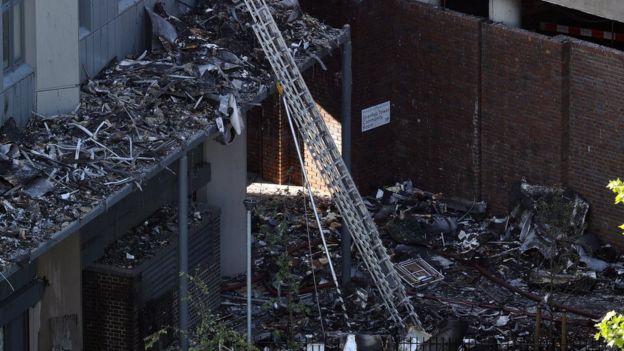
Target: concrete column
<point x="431" y="2"/>
<point x="508" y="12"/>
<point x="58" y="318"/>
<point x="226" y="190"/>
<point x="56" y="56"/>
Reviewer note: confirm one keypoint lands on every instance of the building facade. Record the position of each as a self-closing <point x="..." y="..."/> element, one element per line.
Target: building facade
<point x="49" y="49"/>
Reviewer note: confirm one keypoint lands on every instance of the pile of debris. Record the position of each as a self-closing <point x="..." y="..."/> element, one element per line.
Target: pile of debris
<point x="483" y="280"/>
<point x="144" y="241"/>
<point x="206" y="70"/>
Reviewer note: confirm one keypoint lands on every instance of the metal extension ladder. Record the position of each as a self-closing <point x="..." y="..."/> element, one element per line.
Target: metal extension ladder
<point x="336" y="175"/>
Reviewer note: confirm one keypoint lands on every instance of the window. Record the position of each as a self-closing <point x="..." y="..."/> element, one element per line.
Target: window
<point x="12" y="33"/>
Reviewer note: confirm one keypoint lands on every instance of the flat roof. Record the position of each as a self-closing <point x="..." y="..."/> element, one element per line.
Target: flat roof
<point x="136" y="119"/>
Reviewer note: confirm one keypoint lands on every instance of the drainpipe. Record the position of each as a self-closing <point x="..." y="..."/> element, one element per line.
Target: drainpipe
<point x="183" y="250"/>
<point x="346" y="144"/>
<point x="249" y="205"/>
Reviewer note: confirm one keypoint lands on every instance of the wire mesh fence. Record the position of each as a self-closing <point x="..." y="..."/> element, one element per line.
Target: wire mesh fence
<point x="466" y="345"/>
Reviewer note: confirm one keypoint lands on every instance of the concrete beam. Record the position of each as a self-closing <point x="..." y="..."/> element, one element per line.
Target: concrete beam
<point x="431" y="2"/>
<point x="508" y="12"/>
<point x="611" y="9"/>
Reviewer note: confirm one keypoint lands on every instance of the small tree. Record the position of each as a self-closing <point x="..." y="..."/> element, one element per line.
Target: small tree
<point x="611" y="328"/>
<point x="617" y="186"/>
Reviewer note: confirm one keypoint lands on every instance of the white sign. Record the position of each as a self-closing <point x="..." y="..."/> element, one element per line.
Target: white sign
<point x="375" y="116"/>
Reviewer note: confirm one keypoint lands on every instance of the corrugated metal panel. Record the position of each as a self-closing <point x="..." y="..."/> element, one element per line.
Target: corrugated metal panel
<point x="88" y="63"/>
<point x="18" y="100"/>
<point x="111" y="43"/>
<point x="82" y="49"/>
<point x="161" y="274"/>
<point x="99" y="16"/>
<point x="117" y="30"/>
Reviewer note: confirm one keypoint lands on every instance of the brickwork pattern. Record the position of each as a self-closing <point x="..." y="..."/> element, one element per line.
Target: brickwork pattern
<point x="436" y="99"/>
<point x="478" y="106"/>
<point x="521" y="112"/>
<point x="110" y="312"/>
<point x="596" y="137"/>
<point x="117" y="319"/>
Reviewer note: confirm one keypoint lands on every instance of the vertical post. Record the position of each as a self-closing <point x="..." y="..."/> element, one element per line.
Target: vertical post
<point x="183" y="250"/>
<point x="564" y="331"/>
<point x="346" y="143"/>
<point x="538" y="325"/>
<point x="249" y="205"/>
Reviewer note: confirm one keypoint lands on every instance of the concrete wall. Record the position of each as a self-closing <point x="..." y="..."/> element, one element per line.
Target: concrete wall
<point x="612" y="9"/>
<point x="56" y="65"/>
<point x="60" y="310"/>
<point x="227" y="190"/>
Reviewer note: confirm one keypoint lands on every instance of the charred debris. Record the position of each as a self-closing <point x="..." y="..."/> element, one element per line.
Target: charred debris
<point x="494" y="283"/>
<point x="203" y="72"/>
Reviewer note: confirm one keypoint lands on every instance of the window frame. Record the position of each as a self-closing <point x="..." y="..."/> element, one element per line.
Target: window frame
<point x="13" y="63"/>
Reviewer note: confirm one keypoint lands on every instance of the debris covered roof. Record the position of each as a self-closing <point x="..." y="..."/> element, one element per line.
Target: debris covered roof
<point x="137" y="116"/>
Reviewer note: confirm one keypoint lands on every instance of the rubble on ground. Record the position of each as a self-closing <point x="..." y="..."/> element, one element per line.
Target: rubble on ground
<point x="491" y="286"/>
<point x="137" y="112"/>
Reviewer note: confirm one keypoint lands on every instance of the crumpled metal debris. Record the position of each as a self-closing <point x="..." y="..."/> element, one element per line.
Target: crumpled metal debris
<point x="467" y="304"/>
<point x="550" y="218"/>
<point x="137" y="112"/>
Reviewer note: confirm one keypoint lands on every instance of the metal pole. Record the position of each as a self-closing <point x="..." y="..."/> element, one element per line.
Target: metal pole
<point x="347" y="86"/>
<point x="249" y="205"/>
<point x="183" y="251"/>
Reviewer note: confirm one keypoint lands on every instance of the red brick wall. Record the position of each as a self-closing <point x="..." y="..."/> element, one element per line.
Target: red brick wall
<point x="596" y="131"/>
<point x="478" y="106"/>
<point x="521" y="111"/>
<point x="110" y="312"/>
<point x="325" y="86"/>
<point x="436" y="98"/>
<point x="271" y="153"/>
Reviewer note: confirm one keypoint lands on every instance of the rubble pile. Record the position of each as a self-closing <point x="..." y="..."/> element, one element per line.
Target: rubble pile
<point x="490" y="282"/>
<point x="204" y="69"/>
<point x="144" y="241"/>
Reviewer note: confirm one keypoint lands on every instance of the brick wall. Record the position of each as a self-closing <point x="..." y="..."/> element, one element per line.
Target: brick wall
<point x="123" y="306"/>
<point x="521" y="111"/>
<point x="271" y="151"/>
<point x="109" y="312"/>
<point x="478" y="106"/>
<point x="596" y="132"/>
<point x="436" y="99"/>
<point x="325" y="86"/>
